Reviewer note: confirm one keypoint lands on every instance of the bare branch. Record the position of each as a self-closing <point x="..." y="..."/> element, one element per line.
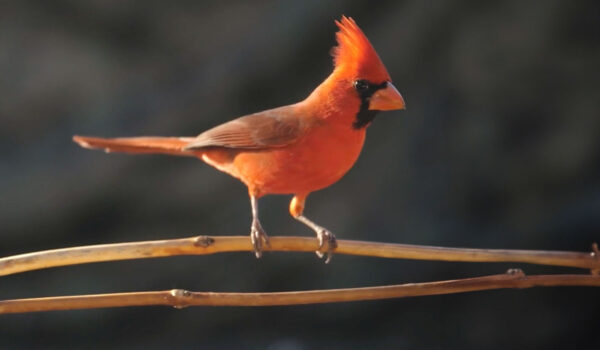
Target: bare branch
<point x="179" y="298"/>
<point x="208" y="245"/>
<point x="218" y="244"/>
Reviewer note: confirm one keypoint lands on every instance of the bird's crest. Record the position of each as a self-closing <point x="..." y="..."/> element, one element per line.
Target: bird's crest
<point x="355" y="55"/>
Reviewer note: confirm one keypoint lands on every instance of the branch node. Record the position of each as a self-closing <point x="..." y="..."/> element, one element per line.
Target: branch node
<point x="203" y="241"/>
<point x="595" y="254"/>
<point x="180" y="298"/>
<point x="515" y="272"/>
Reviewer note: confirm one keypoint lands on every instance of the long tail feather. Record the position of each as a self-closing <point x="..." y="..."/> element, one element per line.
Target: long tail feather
<point x="164" y="145"/>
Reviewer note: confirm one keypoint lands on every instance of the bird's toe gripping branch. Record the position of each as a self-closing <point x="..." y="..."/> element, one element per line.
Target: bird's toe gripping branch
<point x="327" y="244"/>
<point x="258" y="237"/>
<point x="327" y="241"/>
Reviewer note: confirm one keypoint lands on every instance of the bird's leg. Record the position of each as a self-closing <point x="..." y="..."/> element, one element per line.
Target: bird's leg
<point x="324" y="235"/>
<point x="258" y="236"/>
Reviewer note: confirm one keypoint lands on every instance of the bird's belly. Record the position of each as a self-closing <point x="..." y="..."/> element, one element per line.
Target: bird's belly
<point x="314" y="162"/>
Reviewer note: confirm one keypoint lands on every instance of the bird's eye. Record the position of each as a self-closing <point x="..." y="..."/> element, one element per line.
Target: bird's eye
<point x="361" y="85"/>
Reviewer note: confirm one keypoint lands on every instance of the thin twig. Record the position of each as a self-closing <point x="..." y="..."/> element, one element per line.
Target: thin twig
<point x="180" y="298"/>
<point x="218" y="244"/>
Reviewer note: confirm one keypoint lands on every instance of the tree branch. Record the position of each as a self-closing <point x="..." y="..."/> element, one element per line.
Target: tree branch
<point x="179" y="298"/>
<point x="209" y="245"/>
<point x="218" y="244"/>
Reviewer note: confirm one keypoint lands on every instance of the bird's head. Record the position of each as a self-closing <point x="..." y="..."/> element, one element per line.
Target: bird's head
<point x="360" y="71"/>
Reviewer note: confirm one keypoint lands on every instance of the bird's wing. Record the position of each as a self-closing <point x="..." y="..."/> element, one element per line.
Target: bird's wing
<point x="273" y="128"/>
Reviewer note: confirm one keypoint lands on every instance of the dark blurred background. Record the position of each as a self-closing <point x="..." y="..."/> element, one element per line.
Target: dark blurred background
<point x="499" y="148"/>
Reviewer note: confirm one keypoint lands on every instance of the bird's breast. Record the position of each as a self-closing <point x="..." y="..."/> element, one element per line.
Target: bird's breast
<point x="318" y="159"/>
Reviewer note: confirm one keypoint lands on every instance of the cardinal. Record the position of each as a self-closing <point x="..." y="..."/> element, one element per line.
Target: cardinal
<point x="295" y="149"/>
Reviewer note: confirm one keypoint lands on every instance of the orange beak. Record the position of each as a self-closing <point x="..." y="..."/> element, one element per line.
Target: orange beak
<point x="387" y="99"/>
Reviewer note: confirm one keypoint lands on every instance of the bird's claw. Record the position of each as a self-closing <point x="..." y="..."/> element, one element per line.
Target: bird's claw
<point x="258" y="237"/>
<point x="325" y="237"/>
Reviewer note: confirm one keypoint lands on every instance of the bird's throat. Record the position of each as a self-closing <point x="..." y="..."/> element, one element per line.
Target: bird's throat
<point x="365" y="116"/>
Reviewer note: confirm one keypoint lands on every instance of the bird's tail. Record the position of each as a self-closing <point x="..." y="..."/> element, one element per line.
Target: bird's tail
<point x="165" y="145"/>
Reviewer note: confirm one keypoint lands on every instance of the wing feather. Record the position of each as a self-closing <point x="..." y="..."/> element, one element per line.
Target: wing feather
<point x="273" y="128"/>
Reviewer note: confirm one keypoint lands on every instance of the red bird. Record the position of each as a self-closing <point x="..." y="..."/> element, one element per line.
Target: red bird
<point x="294" y="149"/>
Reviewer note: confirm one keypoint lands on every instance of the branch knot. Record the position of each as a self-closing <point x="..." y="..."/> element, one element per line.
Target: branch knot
<point x="515" y="272"/>
<point x="180" y="298"/>
<point x="203" y="241"/>
<point x="595" y="254"/>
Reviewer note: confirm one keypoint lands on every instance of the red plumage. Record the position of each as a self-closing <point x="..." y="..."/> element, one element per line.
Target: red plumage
<point x="295" y="149"/>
